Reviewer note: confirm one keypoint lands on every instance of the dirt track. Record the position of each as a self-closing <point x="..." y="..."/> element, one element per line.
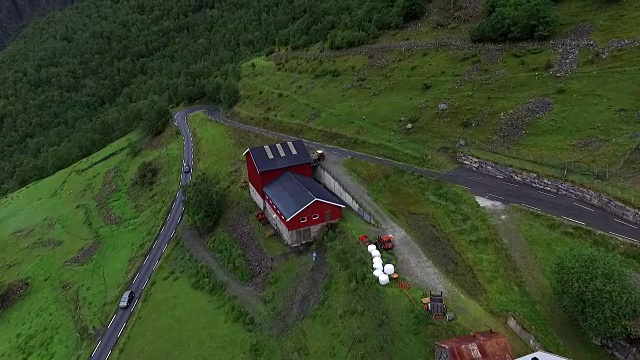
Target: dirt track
<point x="305" y="294"/>
<point x="250" y="299"/>
<point x="412" y="262"/>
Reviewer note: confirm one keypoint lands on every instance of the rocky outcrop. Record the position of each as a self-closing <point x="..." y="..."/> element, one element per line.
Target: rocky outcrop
<point x="554" y="186"/>
<point x="16" y="14"/>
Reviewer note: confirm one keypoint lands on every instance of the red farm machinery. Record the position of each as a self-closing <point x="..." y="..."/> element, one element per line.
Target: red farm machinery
<point x="382" y="242"/>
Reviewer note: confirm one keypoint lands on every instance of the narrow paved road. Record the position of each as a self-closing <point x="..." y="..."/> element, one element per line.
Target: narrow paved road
<point x="483" y="185"/>
<point x="119" y="320"/>
<point x="478" y="184"/>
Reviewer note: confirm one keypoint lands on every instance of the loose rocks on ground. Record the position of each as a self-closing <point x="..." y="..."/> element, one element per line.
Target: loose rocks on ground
<point x="511" y="125"/>
<point x="109" y="187"/>
<point x="84" y="255"/>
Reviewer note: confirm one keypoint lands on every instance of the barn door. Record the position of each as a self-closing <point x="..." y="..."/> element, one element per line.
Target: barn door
<point x="327" y="216"/>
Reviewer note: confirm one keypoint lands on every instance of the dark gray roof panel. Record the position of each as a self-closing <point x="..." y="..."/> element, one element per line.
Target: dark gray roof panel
<point x="281" y="155"/>
<point x="291" y="193"/>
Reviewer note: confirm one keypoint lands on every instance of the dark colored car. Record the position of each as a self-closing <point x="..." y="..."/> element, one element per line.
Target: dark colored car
<point x="186" y="169"/>
<point x="126" y="299"/>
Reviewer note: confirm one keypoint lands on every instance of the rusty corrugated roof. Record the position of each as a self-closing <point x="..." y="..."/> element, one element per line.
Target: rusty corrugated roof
<point x="486" y="345"/>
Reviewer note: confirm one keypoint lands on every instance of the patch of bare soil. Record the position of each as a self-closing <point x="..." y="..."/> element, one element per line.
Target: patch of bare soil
<point x="512" y="123"/>
<point x="304" y="295"/>
<point x="84" y="255"/>
<point x="249" y="299"/>
<point x="109" y="187"/>
<point x="259" y="263"/>
<point x="12" y="293"/>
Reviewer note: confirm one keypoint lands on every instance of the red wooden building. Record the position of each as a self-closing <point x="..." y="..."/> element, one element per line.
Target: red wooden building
<point x="281" y="183"/>
<point x="486" y="345"/>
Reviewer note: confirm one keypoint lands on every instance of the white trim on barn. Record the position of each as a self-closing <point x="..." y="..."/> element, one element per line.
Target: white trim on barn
<point x="255" y="196"/>
<point x="311" y="202"/>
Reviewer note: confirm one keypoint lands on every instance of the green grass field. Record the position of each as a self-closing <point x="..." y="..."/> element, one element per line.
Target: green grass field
<point x="547" y="237"/>
<point x="48" y="222"/>
<point x="462" y="240"/>
<point x="353" y="102"/>
<point x="355" y="317"/>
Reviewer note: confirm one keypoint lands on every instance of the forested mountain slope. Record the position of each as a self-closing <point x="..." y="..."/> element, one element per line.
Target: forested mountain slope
<point x="15" y="15"/>
<point x="83" y="77"/>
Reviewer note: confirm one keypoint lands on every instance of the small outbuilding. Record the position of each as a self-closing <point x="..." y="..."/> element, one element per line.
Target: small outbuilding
<point x="486" y="345"/>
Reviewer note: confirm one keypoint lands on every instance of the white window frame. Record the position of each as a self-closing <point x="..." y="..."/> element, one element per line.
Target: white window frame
<point x="315" y="217"/>
<point x="303" y="219"/>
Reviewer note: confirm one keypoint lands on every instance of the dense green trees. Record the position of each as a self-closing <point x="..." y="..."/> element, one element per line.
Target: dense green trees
<point x="593" y="288"/>
<point x="511" y="20"/>
<point x="204" y="198"/>
<point x="80" y="78"/>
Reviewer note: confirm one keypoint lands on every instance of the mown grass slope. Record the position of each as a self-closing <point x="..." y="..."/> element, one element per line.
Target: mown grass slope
<point x="91" y="205"/>
<point x="365" y="99"/>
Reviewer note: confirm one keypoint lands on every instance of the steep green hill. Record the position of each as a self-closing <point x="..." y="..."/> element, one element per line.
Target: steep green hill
<point x="85" y="76"/>
<point x="565" y="107"/>
<point x="73" y="240"/>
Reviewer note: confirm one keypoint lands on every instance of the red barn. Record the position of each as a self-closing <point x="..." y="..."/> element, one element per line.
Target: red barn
<point x="281" y="183"/>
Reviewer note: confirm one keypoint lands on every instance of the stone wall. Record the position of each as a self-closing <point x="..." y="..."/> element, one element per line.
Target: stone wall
<point x="620" y="349"/>
<point x="524" y="334"/>
<point x="551" y="185"/>
<point x="331" y="183"/>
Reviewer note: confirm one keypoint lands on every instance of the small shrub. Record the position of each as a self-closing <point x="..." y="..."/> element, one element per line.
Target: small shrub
<point x="204" y="199"/>
<point x="146" y="174"/>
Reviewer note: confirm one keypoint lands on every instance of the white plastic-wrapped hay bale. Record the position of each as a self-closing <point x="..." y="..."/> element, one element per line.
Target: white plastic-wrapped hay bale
<point x="389" y="269"/>
<point x="375" y="253"/>
<point x="378" y="266"/>
<point x="370" y="248"/>
<point x="377" y="260"/>
<point x="383" y="279"/>
<point x="377" y="273"/>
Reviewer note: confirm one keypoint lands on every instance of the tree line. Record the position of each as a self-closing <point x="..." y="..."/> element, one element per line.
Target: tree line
<point x="82" y="77"/>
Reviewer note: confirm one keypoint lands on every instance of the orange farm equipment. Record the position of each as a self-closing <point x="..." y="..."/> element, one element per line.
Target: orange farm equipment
<point x="383" y="242"/>
<point x="261" y="217"/>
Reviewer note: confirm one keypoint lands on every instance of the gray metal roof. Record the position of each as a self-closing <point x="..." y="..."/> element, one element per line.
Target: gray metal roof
<point x="291" y="193"/>
<point x="281" y="155"/>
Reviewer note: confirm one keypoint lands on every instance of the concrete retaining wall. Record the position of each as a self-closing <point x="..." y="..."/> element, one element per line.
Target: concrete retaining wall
<point x="256" y="197"/>
<point x="524" y="334"/>
<point x="322" y="175"/>
<point x="555" y="186"/>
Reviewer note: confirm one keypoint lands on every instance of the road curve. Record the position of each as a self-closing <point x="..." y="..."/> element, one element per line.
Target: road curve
<point x="506" y="192"/>
<point x="118" y="322"/>
<point x="493" y="188"/>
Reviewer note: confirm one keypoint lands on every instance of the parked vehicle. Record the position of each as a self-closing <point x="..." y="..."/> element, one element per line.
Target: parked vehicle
<point x="126" y="299"/>
<point x="317" y="156"/>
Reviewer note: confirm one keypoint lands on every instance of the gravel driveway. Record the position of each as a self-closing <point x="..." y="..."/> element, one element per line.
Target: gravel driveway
<point x="412" y="262"/>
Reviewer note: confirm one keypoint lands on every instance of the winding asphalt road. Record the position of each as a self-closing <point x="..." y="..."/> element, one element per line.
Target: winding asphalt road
<point x="119" y="320"/>
<point x="479" y="184"/>
<point x="486" y="186"/>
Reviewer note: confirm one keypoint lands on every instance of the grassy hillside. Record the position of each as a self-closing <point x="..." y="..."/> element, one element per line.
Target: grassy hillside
<point x="502" y="101"/>
<point x="465" y="242"/>
<point x="75" y="238"/>
<point x="337" y="310"/>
